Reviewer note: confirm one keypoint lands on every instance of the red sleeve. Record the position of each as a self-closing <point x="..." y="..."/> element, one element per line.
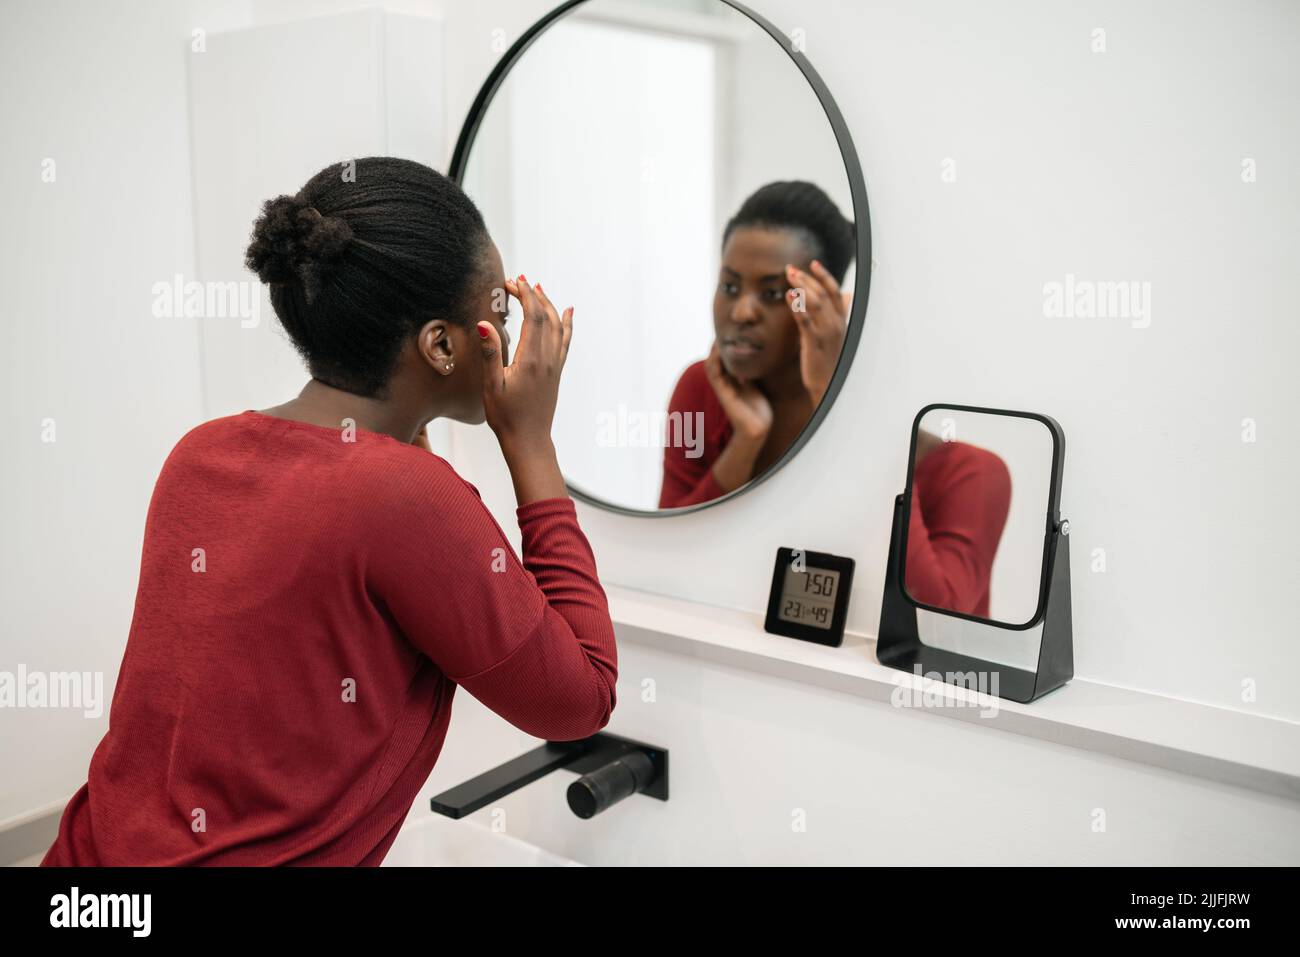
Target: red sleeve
<point x="960" y="498"/>
<point x="688" y="478"/>
<point x="532" y="640"/>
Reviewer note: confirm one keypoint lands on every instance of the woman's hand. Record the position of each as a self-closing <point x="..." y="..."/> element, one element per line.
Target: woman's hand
<point x="519" y="399"/>
<point x="823" y="318"/>
<point x="750" y="414"/>
<point x="746" y="406"/>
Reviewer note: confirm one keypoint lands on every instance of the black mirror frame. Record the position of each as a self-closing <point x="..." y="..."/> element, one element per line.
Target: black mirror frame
<point x="861" y="225"/>
<point x="898" y="641"/>
<point x="1053" y="511"/>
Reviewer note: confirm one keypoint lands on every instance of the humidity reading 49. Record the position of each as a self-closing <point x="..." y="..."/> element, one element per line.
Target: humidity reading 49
<point x="808" y="597"/>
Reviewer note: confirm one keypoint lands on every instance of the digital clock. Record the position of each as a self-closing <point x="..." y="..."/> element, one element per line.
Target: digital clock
<point x="810" y="596"/>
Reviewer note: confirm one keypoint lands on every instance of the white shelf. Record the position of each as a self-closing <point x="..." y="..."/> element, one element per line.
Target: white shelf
<point x="1234" y="747"/>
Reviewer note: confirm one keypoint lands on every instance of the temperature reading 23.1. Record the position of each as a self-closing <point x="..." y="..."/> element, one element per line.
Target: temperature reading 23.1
<point x="808" y="597"/>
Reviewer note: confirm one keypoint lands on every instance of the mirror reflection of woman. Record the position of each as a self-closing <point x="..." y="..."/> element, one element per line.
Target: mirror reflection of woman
<point x="779" y="318"/>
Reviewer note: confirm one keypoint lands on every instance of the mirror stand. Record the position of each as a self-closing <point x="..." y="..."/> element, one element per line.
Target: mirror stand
<point x="899" y="645"/>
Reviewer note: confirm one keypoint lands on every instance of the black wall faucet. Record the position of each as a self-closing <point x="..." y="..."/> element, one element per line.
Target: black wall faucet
<point x="610" y="769"/>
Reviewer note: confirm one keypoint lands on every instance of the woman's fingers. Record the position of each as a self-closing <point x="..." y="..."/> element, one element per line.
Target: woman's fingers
<point x="827" y="280"/>
<point x="512" y="291"/>
<point x="529" y="306"/>
<point x="566" y="326"/>
<point x="540" y="293"/>
<point x="554" y="325"/>
<point x="814" y="292"/>
<point x="713" y="361"/>
<point x="713" y="366"/>
<point x="530" y="302"/>
<point x="543" y="331"/>
<point x="825" y="309"/>
<point x="490" y="347"/>
<point x="806" y="298"/>
<point x="717" y="374"/>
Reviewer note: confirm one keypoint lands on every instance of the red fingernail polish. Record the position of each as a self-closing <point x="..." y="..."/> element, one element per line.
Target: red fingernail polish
<point x="482" y="333"/>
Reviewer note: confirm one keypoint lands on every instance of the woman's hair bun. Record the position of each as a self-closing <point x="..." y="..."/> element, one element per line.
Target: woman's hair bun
<point x="292" y="242"/>
<point x="358" y="264"/>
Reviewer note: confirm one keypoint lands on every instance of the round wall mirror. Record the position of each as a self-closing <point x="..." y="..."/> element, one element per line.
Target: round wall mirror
<point x="679" y="174"/>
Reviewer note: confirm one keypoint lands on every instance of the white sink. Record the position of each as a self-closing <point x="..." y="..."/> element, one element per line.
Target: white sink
<point x="437" y="841"/>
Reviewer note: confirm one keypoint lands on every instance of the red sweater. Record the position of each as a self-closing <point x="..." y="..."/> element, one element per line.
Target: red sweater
<point x="689" y="481"/>
<point x="960" y="498"/>
<point x="285" y="692"/>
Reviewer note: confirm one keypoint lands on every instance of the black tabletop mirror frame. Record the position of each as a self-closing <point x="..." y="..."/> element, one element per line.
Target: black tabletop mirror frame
<point x="899" y="645"/>
<point x="861" y="218"/>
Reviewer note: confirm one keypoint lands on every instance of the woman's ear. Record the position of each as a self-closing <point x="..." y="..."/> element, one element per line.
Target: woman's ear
<point x="435" y="347"/>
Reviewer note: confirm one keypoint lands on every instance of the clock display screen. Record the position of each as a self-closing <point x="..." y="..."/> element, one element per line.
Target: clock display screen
<point x="808" y="597"/>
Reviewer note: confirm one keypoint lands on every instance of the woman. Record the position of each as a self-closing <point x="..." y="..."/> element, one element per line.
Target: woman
<point x="779" y="320"/>
<point x="315" y="583"/>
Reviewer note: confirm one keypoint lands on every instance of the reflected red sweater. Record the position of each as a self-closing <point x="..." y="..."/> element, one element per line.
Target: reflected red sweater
<point x="960" y="498"/>
<point x="306" y="608"/>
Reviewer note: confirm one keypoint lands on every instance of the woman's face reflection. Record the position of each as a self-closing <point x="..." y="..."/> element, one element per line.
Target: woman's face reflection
<point x="752" y="320"/>
<point x="779" y="322"/>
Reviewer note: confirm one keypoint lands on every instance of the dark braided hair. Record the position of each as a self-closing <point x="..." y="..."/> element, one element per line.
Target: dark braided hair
<point x="357" y="263"/>
<point x="804" y="208"/>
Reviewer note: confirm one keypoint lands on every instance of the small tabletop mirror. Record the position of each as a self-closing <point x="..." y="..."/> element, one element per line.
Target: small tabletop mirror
<point x="979" y="552"/>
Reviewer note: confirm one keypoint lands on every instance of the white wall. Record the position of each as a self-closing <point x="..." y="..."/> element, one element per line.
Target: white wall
<point x="1123" y="165"/>
<point x="103" y="95"/>
<point x="376" y="89"/>
<point x="752" y="758"/>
